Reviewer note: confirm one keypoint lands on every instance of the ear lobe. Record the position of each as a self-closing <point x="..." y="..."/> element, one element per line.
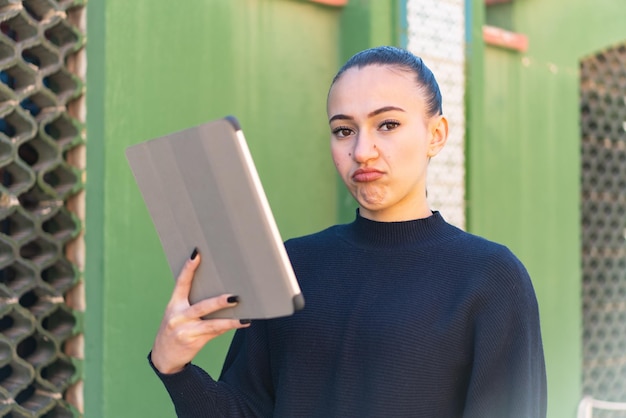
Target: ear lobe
<point x="439" y="135"/>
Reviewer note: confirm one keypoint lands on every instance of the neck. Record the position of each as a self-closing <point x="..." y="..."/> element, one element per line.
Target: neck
<point x="367" y="233"/>
<point x="396" y="214"/>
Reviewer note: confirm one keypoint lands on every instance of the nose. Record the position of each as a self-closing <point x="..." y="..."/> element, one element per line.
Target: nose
<point x="365" y="148"/>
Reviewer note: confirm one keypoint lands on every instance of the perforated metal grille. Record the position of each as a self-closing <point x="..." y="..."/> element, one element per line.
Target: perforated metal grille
<point x="436" y="32"/>
<point x="41" y="206"/>
<point x="603" y="115"/>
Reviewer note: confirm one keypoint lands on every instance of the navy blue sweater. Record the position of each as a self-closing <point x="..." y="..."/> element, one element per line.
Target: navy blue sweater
<point x="402" y="319"/>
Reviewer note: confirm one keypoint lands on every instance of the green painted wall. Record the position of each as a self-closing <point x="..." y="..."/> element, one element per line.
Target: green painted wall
<point x="524" y="162"/>
<point x="157" y="66"/>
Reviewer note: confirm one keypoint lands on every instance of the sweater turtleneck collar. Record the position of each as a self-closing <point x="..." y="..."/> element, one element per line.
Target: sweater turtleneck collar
<point x="427" y="231"/>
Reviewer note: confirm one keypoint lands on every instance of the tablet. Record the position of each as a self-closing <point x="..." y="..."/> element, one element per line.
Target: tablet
<point x="202" y="191"/>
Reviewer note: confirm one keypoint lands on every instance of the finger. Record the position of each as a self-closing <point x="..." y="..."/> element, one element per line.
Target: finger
<point x="217" y="327"/>
<point x="211" y="305"/>
<point x="185" y="278"/>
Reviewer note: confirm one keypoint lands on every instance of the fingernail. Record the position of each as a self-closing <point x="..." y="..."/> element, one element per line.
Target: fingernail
<point x="245" y="321"/>
<point x="232" y="299"/>
<point x="194" y="254"/>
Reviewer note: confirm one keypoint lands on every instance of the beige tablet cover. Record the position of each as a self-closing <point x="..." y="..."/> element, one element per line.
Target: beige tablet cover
<point x="202" y="190"/>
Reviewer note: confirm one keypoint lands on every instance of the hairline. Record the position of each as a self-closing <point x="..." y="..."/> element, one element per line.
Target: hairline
<point x="406" y="68"/>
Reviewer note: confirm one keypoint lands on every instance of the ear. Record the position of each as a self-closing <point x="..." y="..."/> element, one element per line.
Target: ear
<point x="438" y="127"/>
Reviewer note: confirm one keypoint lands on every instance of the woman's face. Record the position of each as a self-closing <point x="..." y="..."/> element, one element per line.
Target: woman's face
<point x="382" y="139"/>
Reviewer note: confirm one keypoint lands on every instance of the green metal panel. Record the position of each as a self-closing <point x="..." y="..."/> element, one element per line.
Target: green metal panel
<point x="530" y="180"/>
<point x="157" y="66"/>
<point x="524" y="163"/>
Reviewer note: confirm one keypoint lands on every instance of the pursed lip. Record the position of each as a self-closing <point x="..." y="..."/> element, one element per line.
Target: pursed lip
<point x="366" y="174"/>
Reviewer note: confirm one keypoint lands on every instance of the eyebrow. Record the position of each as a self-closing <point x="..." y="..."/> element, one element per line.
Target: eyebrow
<point x="369" y="115"/>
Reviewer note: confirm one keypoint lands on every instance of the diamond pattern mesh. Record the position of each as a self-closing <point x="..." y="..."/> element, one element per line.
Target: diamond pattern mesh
<point x="41" y="206"/>
<point x="603" y="110"/>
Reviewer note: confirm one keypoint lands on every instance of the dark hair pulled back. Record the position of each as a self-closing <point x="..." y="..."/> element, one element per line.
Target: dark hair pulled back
<point x="403" y="60"/>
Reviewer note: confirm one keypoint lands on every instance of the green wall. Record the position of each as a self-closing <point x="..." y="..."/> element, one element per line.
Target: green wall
<point x="157" y="66"/>
<point x="524" y="162"/>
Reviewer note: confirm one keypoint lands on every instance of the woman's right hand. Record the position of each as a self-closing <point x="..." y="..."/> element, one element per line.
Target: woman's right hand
<point x="183" y="332"/>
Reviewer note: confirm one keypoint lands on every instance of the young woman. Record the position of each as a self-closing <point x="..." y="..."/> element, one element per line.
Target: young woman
<point x="406" y="315"/>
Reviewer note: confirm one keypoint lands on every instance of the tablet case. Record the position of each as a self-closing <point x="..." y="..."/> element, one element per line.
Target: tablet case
<point x="202" y="191"/>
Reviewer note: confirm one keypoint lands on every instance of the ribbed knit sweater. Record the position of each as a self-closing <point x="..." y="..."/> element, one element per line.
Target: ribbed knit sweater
<point x="402" y="319"/>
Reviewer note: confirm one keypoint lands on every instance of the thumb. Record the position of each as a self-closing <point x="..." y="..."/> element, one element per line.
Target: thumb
<point x="185" y="278"/>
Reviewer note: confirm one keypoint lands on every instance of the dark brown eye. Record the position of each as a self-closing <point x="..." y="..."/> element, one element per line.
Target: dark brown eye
<point x="342" y="132"/>
<point x="389" y="125"/>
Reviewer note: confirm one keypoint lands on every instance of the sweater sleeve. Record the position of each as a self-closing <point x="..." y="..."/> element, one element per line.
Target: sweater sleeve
<point x="508" y="377"/>
<point x="244" y="390"/>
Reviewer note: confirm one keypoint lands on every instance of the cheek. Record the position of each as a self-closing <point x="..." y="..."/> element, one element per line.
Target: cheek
<point x="340" y="158"/>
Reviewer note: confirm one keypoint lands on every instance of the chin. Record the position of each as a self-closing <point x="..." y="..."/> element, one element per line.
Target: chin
<point x="370" y="198"/>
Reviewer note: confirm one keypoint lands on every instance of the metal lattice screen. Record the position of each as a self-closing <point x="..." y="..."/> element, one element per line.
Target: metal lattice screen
<point x="603" y="113"/>
<point x="436" y="32"/>
<point x="41" y="206"/>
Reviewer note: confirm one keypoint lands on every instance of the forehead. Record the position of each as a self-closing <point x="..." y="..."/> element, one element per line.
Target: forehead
<point x="372" y="87"/>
